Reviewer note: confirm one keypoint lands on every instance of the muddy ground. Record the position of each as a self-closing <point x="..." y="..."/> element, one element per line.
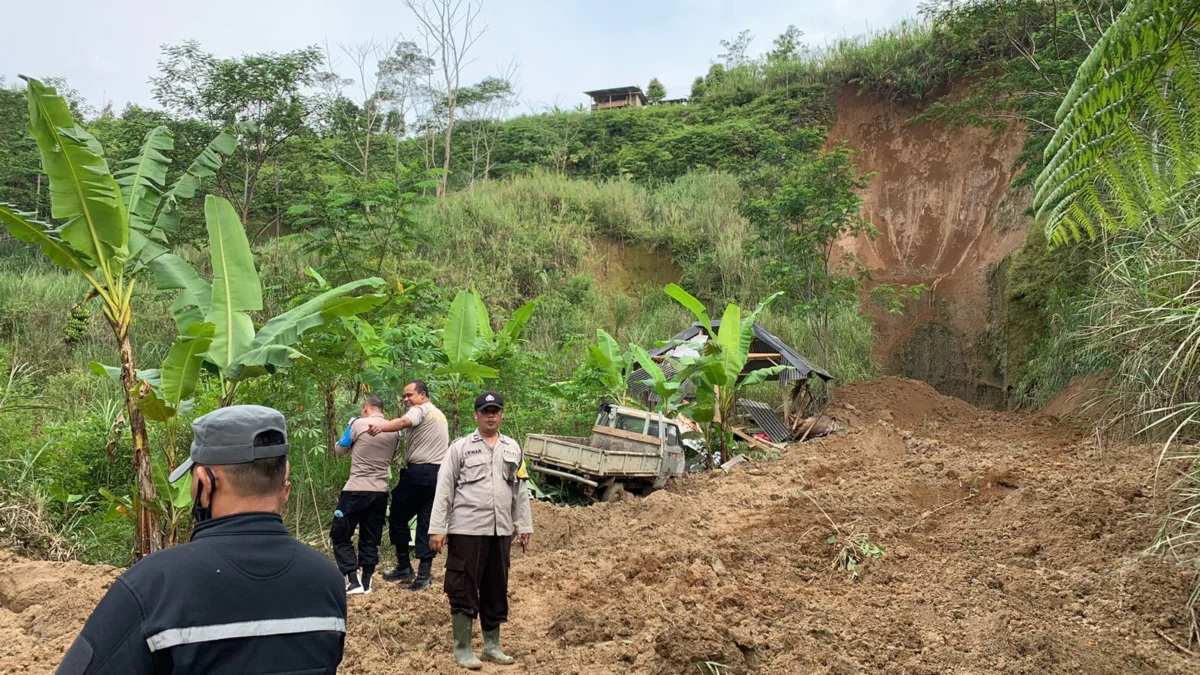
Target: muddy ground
<point x="1010" y="543"/>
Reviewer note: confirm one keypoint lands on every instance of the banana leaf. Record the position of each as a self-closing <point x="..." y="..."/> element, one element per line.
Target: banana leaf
<point x="235" y="288"/>
<point x="458" y="340"/>
<point x="83" y="192"/>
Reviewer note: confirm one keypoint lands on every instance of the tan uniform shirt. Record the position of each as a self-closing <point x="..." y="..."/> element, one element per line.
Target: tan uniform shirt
<point x="369" y="456"/>
<point x="482" y="491"/>
<point x="428" y="436"/>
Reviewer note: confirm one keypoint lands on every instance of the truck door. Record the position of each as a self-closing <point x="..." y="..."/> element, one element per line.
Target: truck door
<point x="673" y="455"/>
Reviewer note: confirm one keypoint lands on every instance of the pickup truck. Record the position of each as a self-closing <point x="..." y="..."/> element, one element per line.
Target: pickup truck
<point x="629" y="450"/>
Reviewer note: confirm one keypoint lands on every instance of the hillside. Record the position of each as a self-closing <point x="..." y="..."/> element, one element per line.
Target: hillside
<point x="946" y="218"/>
<point x="1010" y="543"/>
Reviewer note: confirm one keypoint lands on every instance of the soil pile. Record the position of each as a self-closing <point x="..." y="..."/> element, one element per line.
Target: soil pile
<point x="929" y="537"/>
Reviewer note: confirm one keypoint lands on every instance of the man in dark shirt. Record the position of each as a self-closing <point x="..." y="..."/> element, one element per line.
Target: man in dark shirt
<point x="243" y="596"/>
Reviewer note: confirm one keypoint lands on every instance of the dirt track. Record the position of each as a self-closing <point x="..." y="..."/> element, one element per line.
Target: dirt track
<point x="1012" y="544"/>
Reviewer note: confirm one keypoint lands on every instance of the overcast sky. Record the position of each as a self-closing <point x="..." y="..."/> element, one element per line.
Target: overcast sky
<point x="108" y="51"/>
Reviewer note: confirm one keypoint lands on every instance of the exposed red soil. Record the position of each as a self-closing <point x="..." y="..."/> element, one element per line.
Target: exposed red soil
<point x="1011" y="543"/>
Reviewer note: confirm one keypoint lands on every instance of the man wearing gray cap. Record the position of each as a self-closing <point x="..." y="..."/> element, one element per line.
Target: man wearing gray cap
<point x="243" y="596"/>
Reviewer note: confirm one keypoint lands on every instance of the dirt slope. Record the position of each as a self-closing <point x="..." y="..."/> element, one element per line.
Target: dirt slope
<point x="940" y="199"/>
<point x="1010" y="545"/>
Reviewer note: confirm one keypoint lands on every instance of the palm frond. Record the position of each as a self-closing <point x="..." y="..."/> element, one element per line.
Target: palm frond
<point x="1128" y="129"/>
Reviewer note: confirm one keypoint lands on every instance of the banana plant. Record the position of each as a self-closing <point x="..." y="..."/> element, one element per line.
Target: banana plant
<point x="108" y="226"/>
<point x="717" y="373"/>
<point x="236" y="351"/>
<point x="468" y="339"/>
<point x="614" y="366"/>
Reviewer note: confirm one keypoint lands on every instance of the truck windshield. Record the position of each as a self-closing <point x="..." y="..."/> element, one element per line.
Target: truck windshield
<point x="631" y="423"/>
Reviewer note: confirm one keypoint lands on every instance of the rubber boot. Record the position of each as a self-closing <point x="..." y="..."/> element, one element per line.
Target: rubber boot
<point x="463" y="655"/>
<point x="491" y="648"/>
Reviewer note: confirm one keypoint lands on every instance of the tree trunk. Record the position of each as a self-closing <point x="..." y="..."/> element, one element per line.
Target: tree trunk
<point x="446" y="159"/>
<point x="331" y="434"/>
<point x="148" y="535"/>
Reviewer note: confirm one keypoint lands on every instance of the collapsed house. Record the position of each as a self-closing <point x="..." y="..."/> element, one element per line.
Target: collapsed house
<point x="779" y="423"/>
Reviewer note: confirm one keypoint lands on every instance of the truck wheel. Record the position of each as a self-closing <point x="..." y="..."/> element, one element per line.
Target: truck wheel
<point x="612" y="493"/>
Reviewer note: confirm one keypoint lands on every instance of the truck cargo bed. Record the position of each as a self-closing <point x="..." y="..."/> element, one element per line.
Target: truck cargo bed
<point x="575" y="454"/>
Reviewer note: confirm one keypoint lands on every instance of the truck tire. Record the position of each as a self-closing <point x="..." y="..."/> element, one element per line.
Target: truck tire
<point x="611" y="493"/>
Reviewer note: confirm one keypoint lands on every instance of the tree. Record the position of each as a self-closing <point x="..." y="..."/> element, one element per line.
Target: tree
<point x="387" y="76"/>
<point x="655" y="91"/>
<point x="736" y="49"/>
<point x="260" y="96"/>
<point x="483" y="106"/>
<point x="112" y="224"/>
<point x="698" y="89"/>
<point x="450" y="30"/>
<point x="805" y="205"/>
<point x="20" y="173"/>
<point x="357" y="224"/>
<point x="787" y="45"/>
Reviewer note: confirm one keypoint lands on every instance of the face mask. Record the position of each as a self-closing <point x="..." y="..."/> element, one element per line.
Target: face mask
<point x="203" y="513"/>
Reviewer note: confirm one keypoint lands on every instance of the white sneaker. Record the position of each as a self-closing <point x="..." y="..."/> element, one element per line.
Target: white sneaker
<point x="355" y="589"/>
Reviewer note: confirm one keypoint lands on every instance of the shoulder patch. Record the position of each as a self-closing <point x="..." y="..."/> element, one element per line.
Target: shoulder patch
<point x="521" y="472"/>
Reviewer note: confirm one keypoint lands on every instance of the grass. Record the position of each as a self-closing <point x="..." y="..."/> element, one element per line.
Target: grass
<point x="598" y="253"/>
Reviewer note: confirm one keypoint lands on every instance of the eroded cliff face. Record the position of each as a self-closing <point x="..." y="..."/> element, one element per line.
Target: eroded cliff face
<point x="946" y="217"/>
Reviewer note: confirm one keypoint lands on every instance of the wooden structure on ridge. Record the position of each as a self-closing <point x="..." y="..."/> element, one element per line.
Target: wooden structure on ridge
<point x="618" y="97"/>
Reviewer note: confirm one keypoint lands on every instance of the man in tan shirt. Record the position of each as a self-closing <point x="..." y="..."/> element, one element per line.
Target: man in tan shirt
<point x="363" y="502"/>
<point x="482" y="503"/>
<point x="428" y="437"/>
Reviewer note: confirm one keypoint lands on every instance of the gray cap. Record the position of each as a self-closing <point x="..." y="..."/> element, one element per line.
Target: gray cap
<point x="226" y="436"/>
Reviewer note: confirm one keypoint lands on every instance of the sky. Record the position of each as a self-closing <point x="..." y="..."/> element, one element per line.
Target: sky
<point x="108" y="51"/>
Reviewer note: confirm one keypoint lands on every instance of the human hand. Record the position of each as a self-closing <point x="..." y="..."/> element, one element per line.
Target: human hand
<point x="373" y="430"/>
<point x="523" y="540"/>
<point x="437" y="542"/>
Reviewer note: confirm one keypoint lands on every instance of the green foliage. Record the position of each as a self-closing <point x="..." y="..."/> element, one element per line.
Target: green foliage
<point x="1128" y="136"/>
<point x="356" y="225"/>
<point x="236" y="351"/>
<point x="655" y="91"/>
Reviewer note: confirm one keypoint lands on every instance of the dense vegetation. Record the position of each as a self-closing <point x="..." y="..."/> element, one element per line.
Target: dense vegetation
<point x="735" y="196"/>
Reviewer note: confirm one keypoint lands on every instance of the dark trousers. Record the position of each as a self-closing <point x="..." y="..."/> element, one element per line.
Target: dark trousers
<point x="413" y="496"/>
<point x="477" y="577"/>
<point x="365" y="511"/>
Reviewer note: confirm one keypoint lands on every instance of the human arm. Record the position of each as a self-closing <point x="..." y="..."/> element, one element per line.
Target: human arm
<point x="443" y="497"/>
<point x="347" y="440"/>
<point x="408" y="420"/>
<point x="112" y="641"/>
<point x="522" y="511"/>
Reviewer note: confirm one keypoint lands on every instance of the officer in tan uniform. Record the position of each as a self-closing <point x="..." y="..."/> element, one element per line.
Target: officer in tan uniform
<point x="481" y="505"/>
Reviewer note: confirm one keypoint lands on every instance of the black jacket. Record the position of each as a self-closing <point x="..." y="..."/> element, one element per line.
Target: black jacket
<point x="243" y="597"/>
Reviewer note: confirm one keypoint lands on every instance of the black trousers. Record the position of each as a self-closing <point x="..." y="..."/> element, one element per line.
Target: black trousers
<point x="413" y="496"/>
<point x="366" y="512"/>
<point x="477" y="577"/>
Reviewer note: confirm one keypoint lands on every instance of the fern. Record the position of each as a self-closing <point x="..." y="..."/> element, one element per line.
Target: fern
<point x="1128" y="135"/>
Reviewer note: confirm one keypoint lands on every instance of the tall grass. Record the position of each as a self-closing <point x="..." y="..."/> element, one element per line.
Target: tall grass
<point x="1141" y="321"/>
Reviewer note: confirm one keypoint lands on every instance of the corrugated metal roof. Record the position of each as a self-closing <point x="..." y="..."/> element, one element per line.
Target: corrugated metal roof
<point x="766" y="419"/>
<point x="802" y="367"/>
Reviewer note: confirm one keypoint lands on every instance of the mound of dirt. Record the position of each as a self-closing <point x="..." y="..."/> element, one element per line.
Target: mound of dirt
<point x="929" y="537"/>
<point x="1081" y="399"/>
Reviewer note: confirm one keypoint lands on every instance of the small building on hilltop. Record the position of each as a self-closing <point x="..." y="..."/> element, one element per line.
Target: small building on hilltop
<point x="619" y="97"/>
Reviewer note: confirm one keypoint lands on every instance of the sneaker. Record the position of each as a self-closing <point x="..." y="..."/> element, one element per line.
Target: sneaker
<point x="399" y="574"/>
<point x="357" y="589"/>
<point x="420" y="583"/>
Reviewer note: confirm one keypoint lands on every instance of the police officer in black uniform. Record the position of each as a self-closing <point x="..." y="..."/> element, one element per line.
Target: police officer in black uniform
<point x="243" y="597"/>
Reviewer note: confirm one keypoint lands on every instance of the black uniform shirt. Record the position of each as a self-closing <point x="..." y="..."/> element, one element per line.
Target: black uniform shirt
<point x="243" y="597"/>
